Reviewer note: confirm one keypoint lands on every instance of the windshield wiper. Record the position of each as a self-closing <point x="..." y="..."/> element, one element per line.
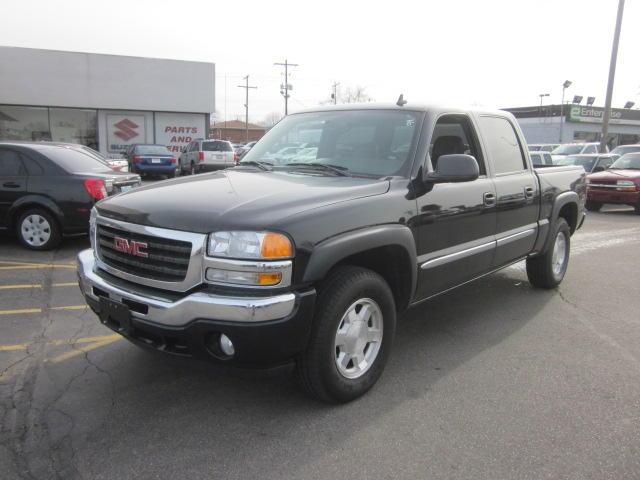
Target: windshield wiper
<point x="341" y="171"/>
<point x="261" y="165"/>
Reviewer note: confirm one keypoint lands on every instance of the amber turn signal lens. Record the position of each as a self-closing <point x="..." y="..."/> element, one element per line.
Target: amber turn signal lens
<point x="276" y="245"/>
<point x="269" y="278"/>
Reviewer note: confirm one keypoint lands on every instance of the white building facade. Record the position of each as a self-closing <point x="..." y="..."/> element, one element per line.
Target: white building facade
<point x="104" y="101"/>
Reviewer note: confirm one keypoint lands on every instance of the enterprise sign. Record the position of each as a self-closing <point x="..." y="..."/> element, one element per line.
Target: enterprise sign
<point x="596" y="114"/>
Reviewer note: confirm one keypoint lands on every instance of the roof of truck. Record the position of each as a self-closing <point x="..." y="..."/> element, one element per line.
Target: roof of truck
<point x="409" y="106"/>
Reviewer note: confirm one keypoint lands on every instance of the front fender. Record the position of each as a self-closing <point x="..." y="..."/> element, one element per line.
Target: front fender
<point x="330" y="252"/>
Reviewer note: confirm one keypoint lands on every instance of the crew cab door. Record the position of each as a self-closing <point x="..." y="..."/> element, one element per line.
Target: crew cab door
<point x="517" y="189"/>
<point x="13" y="182"/>
<point x="456" y="222"/>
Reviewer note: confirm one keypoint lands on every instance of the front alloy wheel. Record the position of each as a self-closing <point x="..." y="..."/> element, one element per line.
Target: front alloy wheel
<point x="358" y="338"/>
<point x="351" y="335"/>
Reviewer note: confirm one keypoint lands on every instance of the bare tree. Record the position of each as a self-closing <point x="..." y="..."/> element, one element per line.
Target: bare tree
<point x="351" y="94"/>
<point x="271" y="119"/>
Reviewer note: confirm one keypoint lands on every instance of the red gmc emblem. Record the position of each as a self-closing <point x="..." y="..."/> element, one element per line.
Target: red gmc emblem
<point x="131" y="247"/>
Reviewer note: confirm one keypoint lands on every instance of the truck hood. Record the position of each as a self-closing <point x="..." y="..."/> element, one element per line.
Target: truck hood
<point x="234" y="199"/>
<point x="616" y="175"/>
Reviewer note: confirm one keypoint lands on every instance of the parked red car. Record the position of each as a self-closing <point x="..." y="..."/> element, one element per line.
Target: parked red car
<point x="619" y="184"/>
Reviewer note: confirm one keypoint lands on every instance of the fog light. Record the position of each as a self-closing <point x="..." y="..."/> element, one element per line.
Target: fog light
<point x="226" y="345"/>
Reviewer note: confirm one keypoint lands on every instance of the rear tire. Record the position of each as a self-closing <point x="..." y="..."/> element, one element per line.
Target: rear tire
<point x="38" y="229"/>
<point x="593" y="206"/>
<point x="193" y="170"/>
<point x="351" y="336"/>
<point x="637" y="209"/>
<point x="547" y="270"/>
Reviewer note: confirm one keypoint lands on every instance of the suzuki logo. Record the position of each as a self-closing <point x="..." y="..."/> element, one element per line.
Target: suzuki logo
<point x="131" y="247"/>
<point x="125" y="129"/>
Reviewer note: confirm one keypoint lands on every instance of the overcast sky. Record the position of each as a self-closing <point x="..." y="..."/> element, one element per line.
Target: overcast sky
<point x="492" y="53"/>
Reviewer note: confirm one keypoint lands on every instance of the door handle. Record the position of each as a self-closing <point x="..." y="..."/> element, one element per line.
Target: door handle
<point x="11" y="185"/>
<point x="489" y="199"/>
<point x="529" y="192"/>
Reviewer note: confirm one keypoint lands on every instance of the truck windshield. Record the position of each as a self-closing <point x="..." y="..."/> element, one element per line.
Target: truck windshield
<point x="361" y="142"/>
<point x="567" y="149"/>
<point x="630" y="161"/>
<point x="622" y="149"/>
<point x="586" y="162"/>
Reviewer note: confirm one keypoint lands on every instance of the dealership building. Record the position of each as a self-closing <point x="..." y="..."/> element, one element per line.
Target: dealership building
<point x="104" y="101"/>
<point x="577" y="123"/>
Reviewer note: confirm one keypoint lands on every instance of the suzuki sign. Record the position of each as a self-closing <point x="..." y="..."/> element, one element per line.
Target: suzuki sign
<point x="124" y="130"/>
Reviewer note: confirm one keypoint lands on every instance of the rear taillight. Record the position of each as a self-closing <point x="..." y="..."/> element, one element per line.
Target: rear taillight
<point x="173" y="160"/>
<point x="95" y="188"/>
<point x="235" y="157"/>
<point x="201" y="156"/>
<point x="137" y="159"/>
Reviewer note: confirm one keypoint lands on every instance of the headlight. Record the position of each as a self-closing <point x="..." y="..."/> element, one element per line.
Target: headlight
<point x="92" y="227"/>
<point x="250" y="245"/>
<point x="625" y="183"/>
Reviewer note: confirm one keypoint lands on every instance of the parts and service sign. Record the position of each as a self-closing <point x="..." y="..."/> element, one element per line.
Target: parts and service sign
<point x="177" y="130"/>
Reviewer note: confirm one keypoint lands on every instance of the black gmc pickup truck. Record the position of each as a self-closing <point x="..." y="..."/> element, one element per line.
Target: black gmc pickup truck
<point x="337" y="221"/>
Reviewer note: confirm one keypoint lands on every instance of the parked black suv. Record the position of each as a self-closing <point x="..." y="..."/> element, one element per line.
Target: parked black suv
<point x="312" y="258"/>
<point x="47" y="190"/>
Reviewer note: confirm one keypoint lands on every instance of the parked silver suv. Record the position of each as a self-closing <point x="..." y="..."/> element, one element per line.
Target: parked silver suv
<point x="206" y="155"/>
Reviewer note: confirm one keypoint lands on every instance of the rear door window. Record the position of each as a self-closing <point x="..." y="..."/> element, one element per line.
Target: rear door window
<point x="11" y="164"/>
<point x="503" y="145"/>
<point x="216" y="146"/>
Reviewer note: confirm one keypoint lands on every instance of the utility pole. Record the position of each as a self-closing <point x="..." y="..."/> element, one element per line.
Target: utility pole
<point x="335" y="92"/>
<point x="612" y="75"/>
<point x="246" y="107"/>
<point x="284" y="89"/>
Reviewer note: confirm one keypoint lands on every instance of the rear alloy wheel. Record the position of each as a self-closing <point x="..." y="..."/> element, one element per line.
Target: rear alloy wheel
<point x="37" y="229"/>
<point x="351" y="336"/>
<point x="548" y="269"/>
<point x="593" y="206"/>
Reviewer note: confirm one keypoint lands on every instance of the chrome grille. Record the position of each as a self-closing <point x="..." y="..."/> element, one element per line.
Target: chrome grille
<point x="167" y="261"/>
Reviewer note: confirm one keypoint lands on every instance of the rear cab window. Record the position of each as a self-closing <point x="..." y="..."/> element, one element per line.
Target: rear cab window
<point x="503" y="145"/>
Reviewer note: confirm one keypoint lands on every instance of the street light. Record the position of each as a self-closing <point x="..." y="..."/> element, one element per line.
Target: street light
<point x="565" y="85"/>
<point x="541" y="95"/>
<point x="590" y="101"/>
<point x="629" y="104"/>
<point x="577" y="99"/>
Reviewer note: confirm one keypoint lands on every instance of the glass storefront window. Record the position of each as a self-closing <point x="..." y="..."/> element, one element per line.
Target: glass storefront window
<point x="24" y="123"/>
<point x="74" y="125"/>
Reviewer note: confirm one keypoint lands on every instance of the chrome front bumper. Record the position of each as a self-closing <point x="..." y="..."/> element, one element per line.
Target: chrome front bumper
<point x="199" y="305"/>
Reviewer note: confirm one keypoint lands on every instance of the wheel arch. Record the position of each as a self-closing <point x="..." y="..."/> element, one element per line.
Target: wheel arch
<point x="389" y="250"/>
<point x="34" y="201"/>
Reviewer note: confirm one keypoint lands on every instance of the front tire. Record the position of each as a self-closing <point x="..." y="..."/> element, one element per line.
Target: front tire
<point x="593" y="206"/>
<point x="38" y="229"/>
<point x="547" y="270"/>
<point x="351" y="336"/>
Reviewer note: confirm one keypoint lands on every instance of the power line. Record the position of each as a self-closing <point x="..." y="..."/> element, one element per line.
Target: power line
<point x="284" y="89"/>
<point x="246" y="87"/>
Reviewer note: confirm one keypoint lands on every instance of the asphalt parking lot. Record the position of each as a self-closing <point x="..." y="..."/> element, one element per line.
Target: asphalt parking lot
<point x="493" y="381"/>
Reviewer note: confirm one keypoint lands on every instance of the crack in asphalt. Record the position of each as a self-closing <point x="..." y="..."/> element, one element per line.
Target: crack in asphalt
<point x="602" y="336"/>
